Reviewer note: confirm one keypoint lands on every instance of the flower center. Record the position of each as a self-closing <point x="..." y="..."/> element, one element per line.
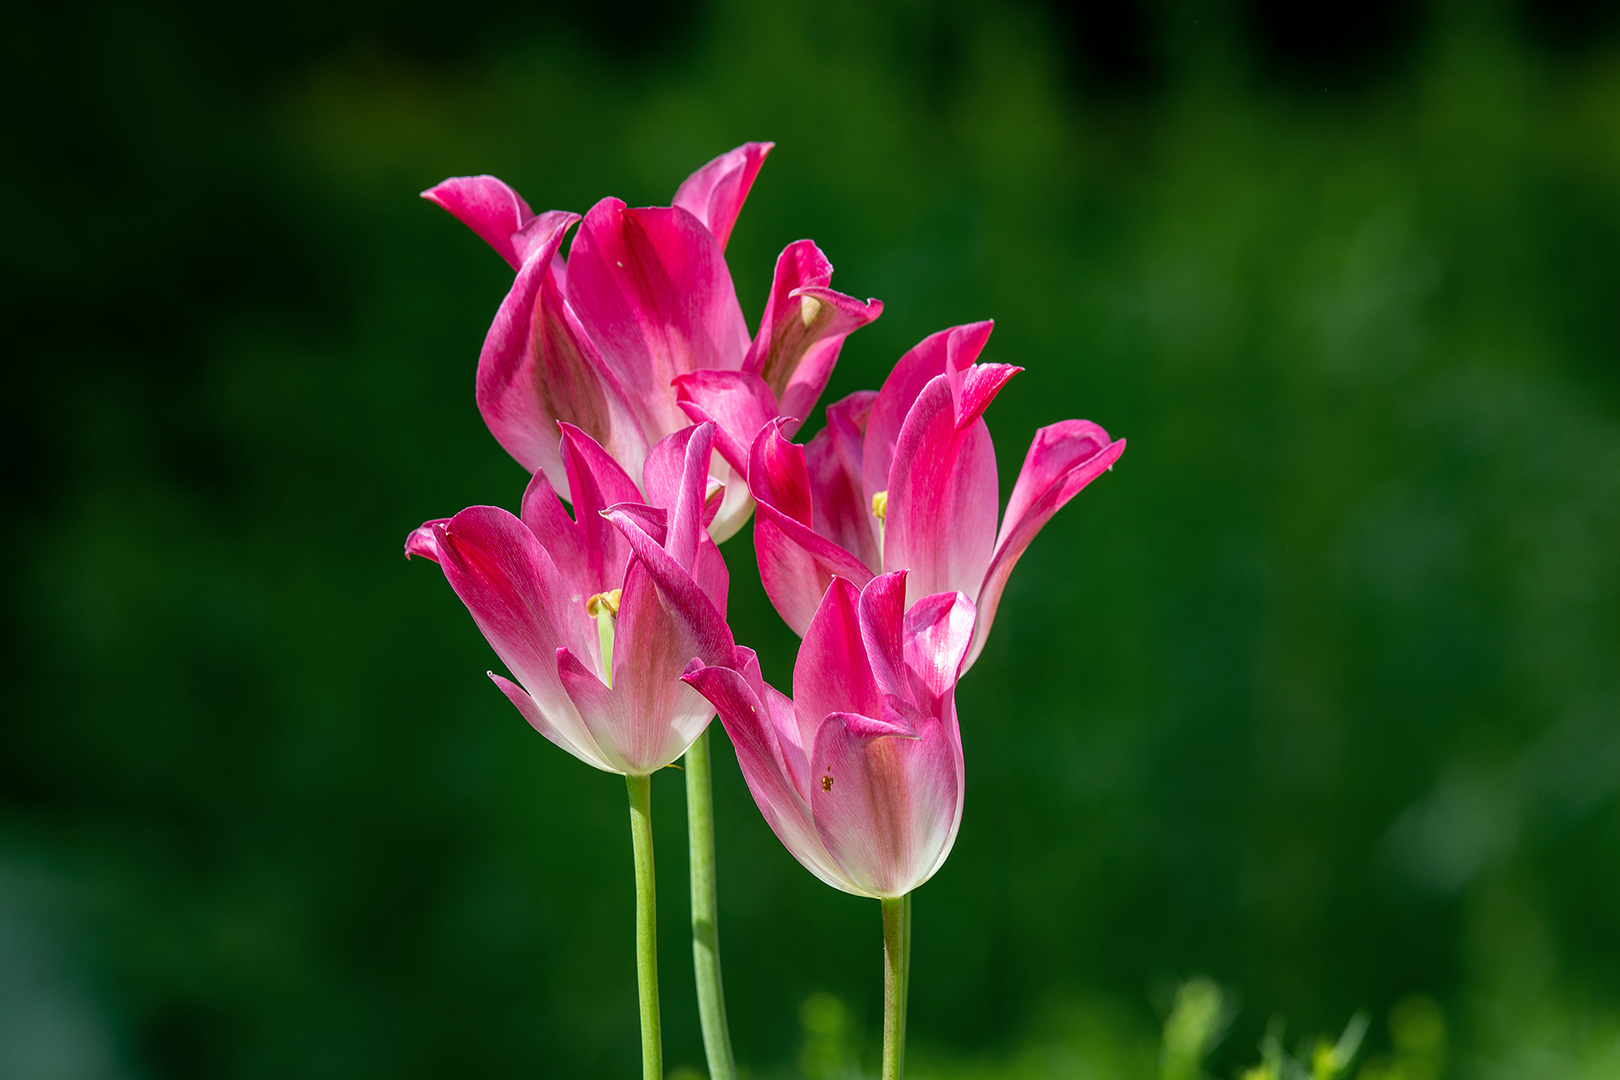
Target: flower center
<point x="604" y="608"/>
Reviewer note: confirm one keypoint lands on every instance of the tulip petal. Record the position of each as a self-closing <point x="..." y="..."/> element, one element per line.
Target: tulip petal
<point x="938" y="631"/>
<point x="653" y="646"/>
<point x="882" y="610"/>
<point x="946" y="350"/>
<point x="521" y="604"/>
<point x="943" y="496"/>
<point x="610" y="723"/>
<point x="537" y="368"/>
<point x="795" y="564"/>
<point x="803" y="329"/>
<point x="1062" y="459"/>
<point x="685" y="599"/>
<point x="526" y="705"/>
<point x="843" y="511"/>
<point x="832" y="674"/>
<point x="653" y="293"/>
<point x="746" y="718"/>
<point x="716" y="192"/>
<point x="737" y="402"/>
<point x="676" y="476"/>
<point x="487" y="206"/>
<point x="885" y="807"/>
<point x="736" y="505"/>
<point x="423" y="540"/>
<point x="595" y="482"/>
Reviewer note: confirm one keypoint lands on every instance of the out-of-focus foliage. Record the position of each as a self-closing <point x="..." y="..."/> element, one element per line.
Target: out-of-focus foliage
<point x="1318" y="692"/>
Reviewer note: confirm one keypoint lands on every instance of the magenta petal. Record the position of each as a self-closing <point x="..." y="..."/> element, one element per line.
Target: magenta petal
<point x="537" y="368"/>
<point x="882" y="611"/>
<point x="595" y="482"/>
<point x="739" y="404"/>
<point x="488" y="207"/>
<point x="843" y="510"/>
<point x="886" y="808"/>
<point x="838" y="317"/>
<point x="715" y="193"/>
<point x="686" y="600"/>
<point x="938" y="630"/>
<point x="652" y="290"/>
<point x="747" y="720"/>
<point x="943" y="496"/>
<point x="1062" y="459"/>
<point x="676" y="476"/>
<point x="520" y="602"/>
<point x="803" y="329"/>
<point x="657" y="714"/>
<point x="578" y="743"/>
<point x="424" y="539"/>
<point x="795" y="564"/>
<point x="831" y="674"/>
<point x="951" y="349"/>
<point x="610" y="723"/>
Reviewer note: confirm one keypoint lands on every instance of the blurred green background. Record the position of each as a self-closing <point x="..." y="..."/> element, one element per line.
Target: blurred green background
<point x="1317" y="694"/>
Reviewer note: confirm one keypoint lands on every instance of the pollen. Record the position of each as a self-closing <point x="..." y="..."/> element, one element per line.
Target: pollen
<point x="880" y="505"/>
<point x="809" y="308"/>
<point x="603" y="601"/>
<point x="826" y="783"/>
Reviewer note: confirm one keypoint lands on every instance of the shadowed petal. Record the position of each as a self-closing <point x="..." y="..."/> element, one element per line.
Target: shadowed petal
<point x="536" y="368"/>
<point x="803" y="329"/>
<point x="1062" y="459"/>
<point x="795" y="564"/>
<point x="843" y="511"/>
<point x="737" y="402"/>
<point x="715" y="193"/>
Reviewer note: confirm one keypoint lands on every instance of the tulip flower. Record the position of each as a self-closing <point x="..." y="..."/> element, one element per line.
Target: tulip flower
<point x="643" y="303"/>
<point x="595" y="648"/>
<point x="860" y="773"/>
<point x="905" y="478"/>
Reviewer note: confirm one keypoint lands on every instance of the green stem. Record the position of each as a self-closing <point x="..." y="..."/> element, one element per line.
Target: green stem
<point x="896" y="983"/>
<point x="706" y="913"/>
<point x="652" y="1037"/>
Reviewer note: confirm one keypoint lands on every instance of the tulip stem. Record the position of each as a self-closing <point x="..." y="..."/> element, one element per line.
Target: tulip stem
<point x="896" y="983"/>
<point x="641" y="841"/>
<point x="706" y="913"/>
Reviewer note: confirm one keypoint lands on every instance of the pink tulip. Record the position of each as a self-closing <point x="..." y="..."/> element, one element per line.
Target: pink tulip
<point x="643" y="304"/>
<point x="596" y="651"/>
<point x="905" y="479"/>
<point x="860" y="774"/>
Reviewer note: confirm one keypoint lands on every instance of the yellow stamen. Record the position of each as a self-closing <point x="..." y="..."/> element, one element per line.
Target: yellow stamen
<point x="809" y="308"/>
<point x="880" y="510"/>
<point x="604" y="608"/>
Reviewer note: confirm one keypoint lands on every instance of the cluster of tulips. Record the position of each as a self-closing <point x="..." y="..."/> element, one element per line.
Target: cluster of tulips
<point x="624" y="380"/>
